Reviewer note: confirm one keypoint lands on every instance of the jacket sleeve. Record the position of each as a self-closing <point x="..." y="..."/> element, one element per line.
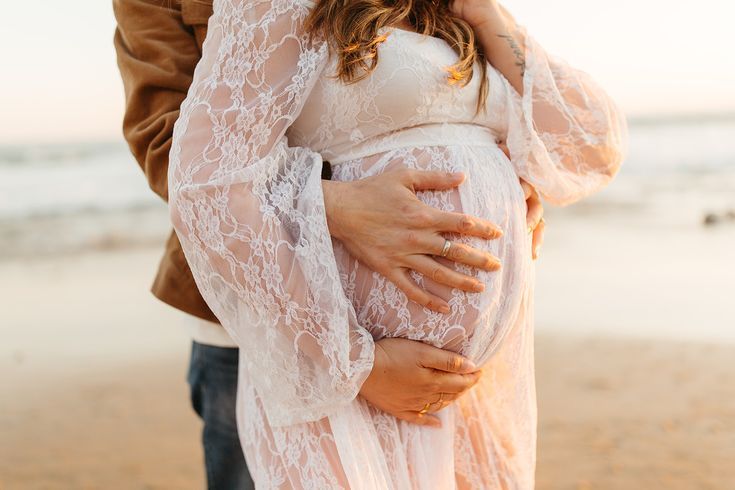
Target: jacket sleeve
<point x="566" y="136"/>
<point x="156" y="54"/>
<point x="249" y="211"/>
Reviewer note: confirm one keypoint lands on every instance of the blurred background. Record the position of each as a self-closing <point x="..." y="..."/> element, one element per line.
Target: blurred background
<point x="635" y="286"/>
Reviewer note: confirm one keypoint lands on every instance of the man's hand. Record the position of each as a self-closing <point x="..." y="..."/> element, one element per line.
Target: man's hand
<point x="407" y="375"/>
<point x="383" y="224"/>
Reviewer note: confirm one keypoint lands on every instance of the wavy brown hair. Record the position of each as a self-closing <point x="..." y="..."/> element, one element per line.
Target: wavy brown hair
<point x="352" y="30"/>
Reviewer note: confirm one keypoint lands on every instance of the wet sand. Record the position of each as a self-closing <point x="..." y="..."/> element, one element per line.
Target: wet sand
<point x="93" y="392"/>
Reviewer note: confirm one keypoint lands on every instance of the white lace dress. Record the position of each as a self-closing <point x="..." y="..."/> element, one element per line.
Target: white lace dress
<point x="263" y="112"/>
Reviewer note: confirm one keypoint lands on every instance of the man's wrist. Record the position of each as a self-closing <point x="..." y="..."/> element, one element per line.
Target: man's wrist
<point x="333" y="196"/>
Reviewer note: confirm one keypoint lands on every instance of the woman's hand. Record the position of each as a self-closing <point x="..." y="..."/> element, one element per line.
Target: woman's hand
<point x="384" y="225"/>
<point x="408" y="375"/>
<point x="534" y="217"/>
<point x="534" y="210"/>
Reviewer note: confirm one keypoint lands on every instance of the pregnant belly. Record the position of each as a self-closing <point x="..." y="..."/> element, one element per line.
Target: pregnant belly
<point x="477" y="322"/>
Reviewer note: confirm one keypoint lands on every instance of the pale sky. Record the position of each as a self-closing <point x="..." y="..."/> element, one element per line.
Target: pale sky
<point x="59" y="80"/>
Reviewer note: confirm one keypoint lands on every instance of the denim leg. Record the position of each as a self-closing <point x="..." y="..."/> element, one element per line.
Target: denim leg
<point x="213" y="384"/>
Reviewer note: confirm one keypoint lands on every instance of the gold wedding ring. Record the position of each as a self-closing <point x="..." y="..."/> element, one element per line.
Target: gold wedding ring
<point x="445" y="248"/>
<point x="427" y="407"/>
<point x="439" y="402"/>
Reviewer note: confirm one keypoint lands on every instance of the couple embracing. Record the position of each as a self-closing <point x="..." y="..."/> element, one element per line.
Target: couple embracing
<point x="354" y="189"/>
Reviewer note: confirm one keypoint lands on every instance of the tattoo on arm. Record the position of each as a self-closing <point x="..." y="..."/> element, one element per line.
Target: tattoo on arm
<point x="520" y="58"/>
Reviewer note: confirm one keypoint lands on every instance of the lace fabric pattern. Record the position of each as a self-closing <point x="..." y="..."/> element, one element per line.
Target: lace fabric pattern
<point x="263" y="113"/>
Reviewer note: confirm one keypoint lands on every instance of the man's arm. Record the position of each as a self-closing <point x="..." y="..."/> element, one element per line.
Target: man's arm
<point x="156" y="54"/>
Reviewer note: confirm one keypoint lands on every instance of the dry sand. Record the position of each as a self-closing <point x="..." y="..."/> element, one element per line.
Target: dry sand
<point x="93" y="392"/>
<point x="617" y="414"/>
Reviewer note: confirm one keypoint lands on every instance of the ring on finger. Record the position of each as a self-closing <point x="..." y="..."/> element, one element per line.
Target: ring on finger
<point x="439" y="402"/>
<point x="445" y="248"/>
<point x="425" y="409"/>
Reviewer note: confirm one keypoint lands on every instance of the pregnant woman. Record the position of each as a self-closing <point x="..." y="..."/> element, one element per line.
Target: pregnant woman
<point x="373" y="86"/>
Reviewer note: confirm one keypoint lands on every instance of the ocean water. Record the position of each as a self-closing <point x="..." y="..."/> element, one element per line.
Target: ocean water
<point x="678" y="172"/>
<point x="58" y="198"/>
<point x="74" y="197"/>
<point x="55" y="180"/>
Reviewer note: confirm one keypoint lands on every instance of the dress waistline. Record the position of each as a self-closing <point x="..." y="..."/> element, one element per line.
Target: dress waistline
<point x="440" y="134"/>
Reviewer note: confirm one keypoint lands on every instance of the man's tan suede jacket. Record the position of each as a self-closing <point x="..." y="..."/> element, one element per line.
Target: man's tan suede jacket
<point x="159" y="43"/>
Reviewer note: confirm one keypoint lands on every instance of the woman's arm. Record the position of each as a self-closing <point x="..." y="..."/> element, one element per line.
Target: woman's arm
<point x="249" y="211"/>
<point x="566" y="136"/>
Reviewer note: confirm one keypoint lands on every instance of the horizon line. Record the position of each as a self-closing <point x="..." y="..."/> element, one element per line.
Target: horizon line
<point x="637" y="120"/>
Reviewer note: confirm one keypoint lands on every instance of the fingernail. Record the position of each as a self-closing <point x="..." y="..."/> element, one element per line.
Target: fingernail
<point x="478" y="287"/>
<point x="470" y="365"/>
<point x="444" y="309"/>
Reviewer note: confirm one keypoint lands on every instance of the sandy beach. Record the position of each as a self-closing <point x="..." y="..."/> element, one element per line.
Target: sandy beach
<point x="94" y="392"/>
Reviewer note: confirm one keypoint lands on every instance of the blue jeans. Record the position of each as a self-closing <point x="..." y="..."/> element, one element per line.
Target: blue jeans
<point x="213" y="384"/>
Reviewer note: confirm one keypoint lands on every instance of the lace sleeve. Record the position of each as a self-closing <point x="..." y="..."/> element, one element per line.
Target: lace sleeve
<point x="249" y="212"/>
<point x="566" y="136"/>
